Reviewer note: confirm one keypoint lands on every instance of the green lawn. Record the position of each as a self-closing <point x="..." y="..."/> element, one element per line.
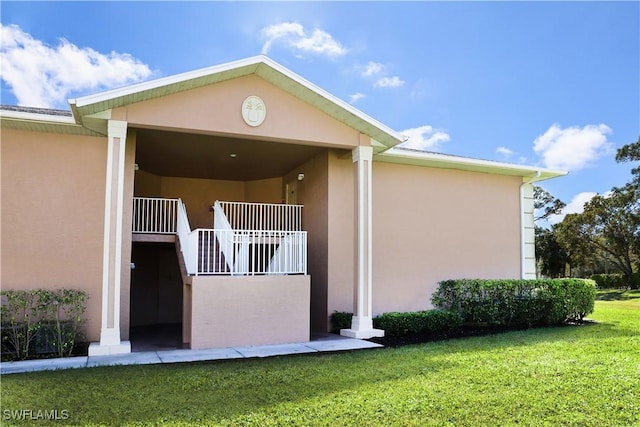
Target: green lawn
<point x="579" y="375"/>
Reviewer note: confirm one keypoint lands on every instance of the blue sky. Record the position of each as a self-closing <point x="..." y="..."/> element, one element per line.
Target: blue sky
<point x="554" y="84"/>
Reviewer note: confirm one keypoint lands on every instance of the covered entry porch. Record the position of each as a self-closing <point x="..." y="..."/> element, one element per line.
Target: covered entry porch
<point x="228" y="204"/>
<point x="244" y="280"/>
<point x="194" y="137"/>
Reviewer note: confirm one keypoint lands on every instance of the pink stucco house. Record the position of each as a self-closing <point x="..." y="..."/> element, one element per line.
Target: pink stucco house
<point x="246" y="204"/>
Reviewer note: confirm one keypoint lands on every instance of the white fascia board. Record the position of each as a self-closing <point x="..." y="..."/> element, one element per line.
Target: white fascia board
<point x="445" y="161"/>
<point x="47" y="123"/>
<point x="163" y="81"/>
<point x="255" y="61"/>
<point x="332" y="98"/>
<point x="35" y="117"/>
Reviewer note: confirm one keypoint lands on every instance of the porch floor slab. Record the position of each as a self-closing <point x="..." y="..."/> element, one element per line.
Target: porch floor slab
<point x="274" y="350"/>
<point x="318" y="344"/>
<point x="177" y="356"/>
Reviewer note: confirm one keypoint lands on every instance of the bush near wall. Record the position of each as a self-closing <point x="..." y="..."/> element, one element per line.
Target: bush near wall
<point x="41" y="322"/>
<point x="340" y="320"/>
<point x="433" y="322"/>
<point x="517" y="303"/>
<point x="402" y="324"/>
<point x="617" y="281"/>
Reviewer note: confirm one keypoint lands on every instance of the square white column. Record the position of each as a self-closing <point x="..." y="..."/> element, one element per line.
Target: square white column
<point x="362" y="324"/>
<point x="110" y="342"/>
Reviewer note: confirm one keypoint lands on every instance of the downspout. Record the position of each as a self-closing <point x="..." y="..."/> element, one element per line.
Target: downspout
<point x="523" y="240"/>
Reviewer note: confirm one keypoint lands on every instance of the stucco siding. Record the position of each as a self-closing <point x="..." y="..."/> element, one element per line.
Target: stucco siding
<point x="53" y="214"/>
<point x="127" y="217"/>
<point x="251" y="310"/>
<point x="341" y="238"/>
<point x="263" y="190"/>
<point x="435" y="224"/>
<point x="217" y="109"/>
<point x="312" y="193"/>
<point x="198" y="194"/>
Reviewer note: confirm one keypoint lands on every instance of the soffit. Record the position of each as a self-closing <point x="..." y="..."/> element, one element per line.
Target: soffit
<point x="209" y="156"/>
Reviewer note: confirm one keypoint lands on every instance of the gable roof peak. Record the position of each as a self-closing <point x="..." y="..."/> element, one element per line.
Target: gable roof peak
<point x="259" y="65"/>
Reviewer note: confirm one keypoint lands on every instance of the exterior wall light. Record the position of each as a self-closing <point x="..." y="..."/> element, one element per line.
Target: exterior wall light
<point x="300" y="176"/>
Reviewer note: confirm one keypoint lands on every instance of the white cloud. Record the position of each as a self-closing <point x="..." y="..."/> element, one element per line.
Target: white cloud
<point x="356" y="97"/>
<point x="394" y="81"/>
<point x="377" y="72"/>
<point x="572" y="148"/>
<point x="504" y="151"/>
<point x="372" y="68"/>
<point x="576" y="205"/>
<point x="294" y="36"/>
<point x="424" y="138"/>
<point x="43" y="76"/>
<point x="510" y="155"/>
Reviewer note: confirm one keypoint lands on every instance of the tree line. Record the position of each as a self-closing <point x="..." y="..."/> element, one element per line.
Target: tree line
<point x="604" y="238"/>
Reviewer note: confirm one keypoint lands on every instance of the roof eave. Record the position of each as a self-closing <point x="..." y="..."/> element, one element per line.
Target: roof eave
<point x="261" y="66"/>
<point x="50" y="118"/>
<point x="163" y="86"/>
<point x="444" y="161"/>
<point x="350" y="115"/>
<point x="43" y="123"/>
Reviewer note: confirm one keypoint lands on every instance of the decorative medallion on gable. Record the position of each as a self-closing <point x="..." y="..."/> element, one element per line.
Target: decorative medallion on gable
<point x="254" y="111"/>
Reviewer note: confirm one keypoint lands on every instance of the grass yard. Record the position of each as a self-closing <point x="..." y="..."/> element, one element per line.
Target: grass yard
<point x="585" y="375"/>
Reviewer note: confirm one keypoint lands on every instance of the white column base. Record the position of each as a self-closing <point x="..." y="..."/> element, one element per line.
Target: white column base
<point x="109" y="336"/>
<point x="362" y="328"/>
<point x="109" y="344"/>
<point x="362" y="335"/>
<point x="97" y="349"/>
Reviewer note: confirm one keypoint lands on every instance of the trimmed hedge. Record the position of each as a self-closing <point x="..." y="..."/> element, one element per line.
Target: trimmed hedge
<point x="340" y="320"/>
<point x="397" y="324"/>
<point x="617" y="281"/>
<point x="517" y="303"/>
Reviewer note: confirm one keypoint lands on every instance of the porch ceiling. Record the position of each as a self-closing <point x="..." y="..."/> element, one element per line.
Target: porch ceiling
<point x="209" y="157"/>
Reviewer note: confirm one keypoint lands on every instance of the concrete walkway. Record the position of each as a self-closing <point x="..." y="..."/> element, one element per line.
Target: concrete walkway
<point x="326" y="343"/>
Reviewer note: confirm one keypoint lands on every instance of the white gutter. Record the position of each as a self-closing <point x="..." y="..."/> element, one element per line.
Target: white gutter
<point x="37" y="117"/>
<point x="447" y="161"/>
<point x="523" y="237"/>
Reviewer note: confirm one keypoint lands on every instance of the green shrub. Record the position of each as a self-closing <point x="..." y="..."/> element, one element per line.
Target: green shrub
<point x="397" y="324"/>
<point x="580" y="297"/>
<point x="19" y="313"/>
<point x="41" y="321"/>
<point x="340" y="320"/>
<point x="516" y="303"/>
<point x="617" y="281"/>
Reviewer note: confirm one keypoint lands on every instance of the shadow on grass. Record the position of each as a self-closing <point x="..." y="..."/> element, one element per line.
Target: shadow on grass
<point x="617" y="295"/>
<point x="221" y="392"/>
<point x="205" y="393"/>
<point x="490" y="341"/>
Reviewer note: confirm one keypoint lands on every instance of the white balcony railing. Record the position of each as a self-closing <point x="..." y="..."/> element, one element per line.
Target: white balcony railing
<point x="251" y="252"/>
<point x="280" y="247"/>
<point x="262" y="216"/>
<point x="154" y="215"/>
